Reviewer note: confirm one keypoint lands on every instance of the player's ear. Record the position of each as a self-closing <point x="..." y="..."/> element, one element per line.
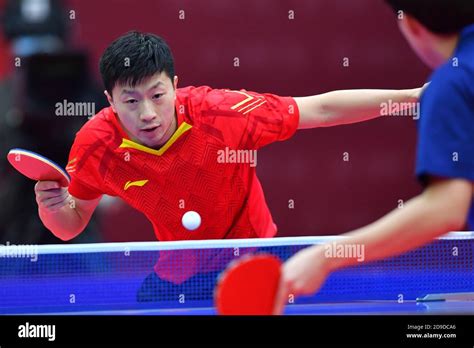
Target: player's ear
<point x="411" y="27"/>
<point x="110" y="100"/>
<point x="175" y="82"/>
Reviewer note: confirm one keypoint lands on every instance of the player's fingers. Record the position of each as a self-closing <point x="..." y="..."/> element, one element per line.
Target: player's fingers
<point x="55" y="207"/>
<point x="281" y="296"/>
<point x="47" y="203"/>
<point x="42" y="195"/>
<point x="302" y="289"/>
<point x="54" y="200"/>
<point x="46" y="185"/>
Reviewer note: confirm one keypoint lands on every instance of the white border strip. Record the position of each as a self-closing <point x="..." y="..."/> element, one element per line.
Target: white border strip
<point x="204" y="244"/>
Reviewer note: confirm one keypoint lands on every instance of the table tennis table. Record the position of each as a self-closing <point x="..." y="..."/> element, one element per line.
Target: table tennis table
<point x="106" y="278"/>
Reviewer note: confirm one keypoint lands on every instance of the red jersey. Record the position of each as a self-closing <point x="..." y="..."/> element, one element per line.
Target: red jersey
<point x="197" y="169"/>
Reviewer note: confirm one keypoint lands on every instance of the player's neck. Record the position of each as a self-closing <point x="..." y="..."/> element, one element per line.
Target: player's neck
<point x="447" y="46"/>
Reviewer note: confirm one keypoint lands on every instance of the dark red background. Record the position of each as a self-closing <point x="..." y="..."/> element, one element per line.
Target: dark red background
<point x="296" y="57"/>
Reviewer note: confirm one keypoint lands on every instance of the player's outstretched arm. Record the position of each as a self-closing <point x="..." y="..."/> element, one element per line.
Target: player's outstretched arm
<point x="64" y="215"/>
<point x="351" y="106"/>
<point x="441" y="208"/>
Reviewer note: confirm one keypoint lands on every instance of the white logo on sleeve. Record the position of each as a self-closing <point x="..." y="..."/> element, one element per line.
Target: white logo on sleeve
<point x="37" y="331"/>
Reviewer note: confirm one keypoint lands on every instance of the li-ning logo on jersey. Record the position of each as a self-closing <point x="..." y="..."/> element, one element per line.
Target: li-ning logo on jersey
<point x="248" y="104"/>
<point x="138" y="183"/>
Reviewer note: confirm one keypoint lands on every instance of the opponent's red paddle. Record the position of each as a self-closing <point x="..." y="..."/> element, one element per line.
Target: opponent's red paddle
<point x="37" y="167"/>
<point x="248" y="286"/>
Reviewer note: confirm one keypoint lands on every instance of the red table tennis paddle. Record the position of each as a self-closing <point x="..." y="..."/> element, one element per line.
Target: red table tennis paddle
<point x="248" y="286"/>
<point x="37" y="167"/>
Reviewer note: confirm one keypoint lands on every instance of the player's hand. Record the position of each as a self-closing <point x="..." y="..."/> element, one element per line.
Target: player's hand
<point x="417" y="92"/>
<point x="302" y="274"/>
<point x="50" y="196"/>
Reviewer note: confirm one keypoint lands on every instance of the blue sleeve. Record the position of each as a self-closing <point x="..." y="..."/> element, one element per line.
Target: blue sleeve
<point x="446" y="126"/>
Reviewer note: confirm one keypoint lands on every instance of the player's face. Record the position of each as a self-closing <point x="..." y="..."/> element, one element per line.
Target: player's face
<point x="147" y="111"/>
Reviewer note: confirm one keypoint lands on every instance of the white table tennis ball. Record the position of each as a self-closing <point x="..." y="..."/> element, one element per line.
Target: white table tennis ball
<point x="191" y="220"/>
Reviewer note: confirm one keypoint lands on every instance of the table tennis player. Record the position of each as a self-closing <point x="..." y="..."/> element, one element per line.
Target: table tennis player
<point x="157" y="146"/>
<point x="442" y="34"/>
<point x="160" y="148"/>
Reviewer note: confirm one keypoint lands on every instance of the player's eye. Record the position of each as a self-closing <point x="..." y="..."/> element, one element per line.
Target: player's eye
<point x="131" y="101"/>
<point x="158" y="96"/>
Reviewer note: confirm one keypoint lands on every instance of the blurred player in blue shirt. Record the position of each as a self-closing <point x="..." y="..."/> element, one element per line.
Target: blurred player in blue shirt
<point x="441" y="32"/>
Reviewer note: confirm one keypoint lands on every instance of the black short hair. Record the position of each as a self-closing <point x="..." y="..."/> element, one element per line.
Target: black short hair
<point x="134" y="57"/>
<point x="438" y="16"/>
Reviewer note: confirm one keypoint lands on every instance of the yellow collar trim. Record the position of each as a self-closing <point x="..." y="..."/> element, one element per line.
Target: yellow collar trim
<point x="183" y="128"/>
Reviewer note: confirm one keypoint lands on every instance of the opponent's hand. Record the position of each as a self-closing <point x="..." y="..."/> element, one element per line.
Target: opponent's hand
<point x="50" y="196"/>
<point x="302" y="274"/>
<point x="417" y="92"/>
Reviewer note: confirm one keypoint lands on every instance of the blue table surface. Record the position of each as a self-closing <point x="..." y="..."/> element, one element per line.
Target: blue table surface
<point x="116" y="296"/>
<point x="340" y="308"/>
